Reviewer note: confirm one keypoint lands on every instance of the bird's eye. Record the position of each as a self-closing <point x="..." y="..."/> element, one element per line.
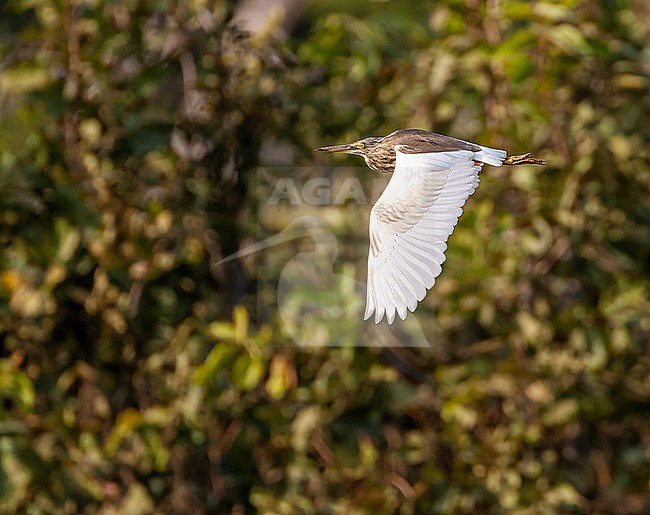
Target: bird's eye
<point x="359" y="144"/>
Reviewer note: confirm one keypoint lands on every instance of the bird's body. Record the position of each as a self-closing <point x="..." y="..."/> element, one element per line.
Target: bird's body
<point x="433" y="175"/>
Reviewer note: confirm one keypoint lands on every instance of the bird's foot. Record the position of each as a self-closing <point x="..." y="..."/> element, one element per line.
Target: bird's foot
<point x="523" y="159"/>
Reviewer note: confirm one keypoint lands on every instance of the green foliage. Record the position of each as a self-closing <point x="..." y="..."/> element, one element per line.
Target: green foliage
<point x="130" y="134"/>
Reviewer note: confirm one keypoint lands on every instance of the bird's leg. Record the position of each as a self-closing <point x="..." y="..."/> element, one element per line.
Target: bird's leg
<point x="523" y="159"/>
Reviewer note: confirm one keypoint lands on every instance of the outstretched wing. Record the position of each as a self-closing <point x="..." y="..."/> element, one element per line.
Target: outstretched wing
<point x="411" y="222"/>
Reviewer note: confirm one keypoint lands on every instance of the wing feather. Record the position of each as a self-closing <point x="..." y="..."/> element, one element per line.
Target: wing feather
<point x="410" y="225"/>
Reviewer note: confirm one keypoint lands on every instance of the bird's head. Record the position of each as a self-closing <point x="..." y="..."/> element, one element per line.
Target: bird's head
<point x="379" y="153"/>
<point x="359" y="148"/>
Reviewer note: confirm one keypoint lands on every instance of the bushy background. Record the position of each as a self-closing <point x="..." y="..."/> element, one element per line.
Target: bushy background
<point x="132" y="376"/>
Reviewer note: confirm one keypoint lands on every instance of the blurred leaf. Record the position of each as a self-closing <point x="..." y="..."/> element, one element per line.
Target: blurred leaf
<point x="15" y="386"/>
<point x="561" y="412"/>
<point x="218" y="359"/>
<point x="282" y="377"/>
<point x="247" y="371"/>
<point x="570" y="39"/>
<point x="127" y="423"/>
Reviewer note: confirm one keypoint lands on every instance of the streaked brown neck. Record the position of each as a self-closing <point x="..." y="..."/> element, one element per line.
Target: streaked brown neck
<point x="383" y="161"/>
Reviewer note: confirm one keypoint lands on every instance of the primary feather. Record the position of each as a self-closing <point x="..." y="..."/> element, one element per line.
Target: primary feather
<point x="410" y="225"/>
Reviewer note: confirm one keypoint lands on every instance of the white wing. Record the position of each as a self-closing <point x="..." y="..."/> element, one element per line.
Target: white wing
<point x="411" y="222"/>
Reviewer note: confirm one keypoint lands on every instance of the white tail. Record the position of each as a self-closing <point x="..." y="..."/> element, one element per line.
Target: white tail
<point x="491" y="156"/>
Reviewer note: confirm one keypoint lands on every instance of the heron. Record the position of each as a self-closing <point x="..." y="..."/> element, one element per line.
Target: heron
<point x="433" y="176"/>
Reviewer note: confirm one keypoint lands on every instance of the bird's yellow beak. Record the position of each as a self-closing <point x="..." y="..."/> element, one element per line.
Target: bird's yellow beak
<point x="338" y="148"/>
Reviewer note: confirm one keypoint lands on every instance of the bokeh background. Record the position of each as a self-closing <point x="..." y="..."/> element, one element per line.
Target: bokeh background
<point x="135" y="376"/>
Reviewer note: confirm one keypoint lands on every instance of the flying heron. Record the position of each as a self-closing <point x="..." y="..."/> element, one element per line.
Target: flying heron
<point x="433" y="176"/>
